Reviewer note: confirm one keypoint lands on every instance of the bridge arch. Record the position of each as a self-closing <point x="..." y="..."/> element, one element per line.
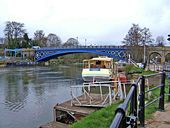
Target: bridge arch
<point x="47" y="54"/>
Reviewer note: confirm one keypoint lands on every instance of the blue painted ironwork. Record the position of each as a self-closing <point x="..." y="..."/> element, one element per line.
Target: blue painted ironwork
<point x="12" y="51"/>
<point x="44" y="54"/>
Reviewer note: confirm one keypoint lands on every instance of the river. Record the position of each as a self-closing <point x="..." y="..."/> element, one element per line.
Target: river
<point x="28" y="94"/>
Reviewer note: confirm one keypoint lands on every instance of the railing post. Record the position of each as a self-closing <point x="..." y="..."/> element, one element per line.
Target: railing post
<point x="169" y="90"/>
<point x="142" y="103"/>
<point x="168" y="86"/>
<point x="162" y="92"/>
<point x="133" y="105"/>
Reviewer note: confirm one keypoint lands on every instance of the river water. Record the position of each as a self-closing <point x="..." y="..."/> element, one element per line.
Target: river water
<point x="28" y="94"/>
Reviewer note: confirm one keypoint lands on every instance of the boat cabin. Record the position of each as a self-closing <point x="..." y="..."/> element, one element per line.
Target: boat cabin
<point x="100" y="62"/>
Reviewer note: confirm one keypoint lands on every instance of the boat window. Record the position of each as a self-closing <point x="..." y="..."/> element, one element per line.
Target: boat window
<point x="85" y="64"/>
<point x="98" y="62"/>
<point x="103" y="64"/>
<point x="108" y="65"/>
<point x="92" y="64"/>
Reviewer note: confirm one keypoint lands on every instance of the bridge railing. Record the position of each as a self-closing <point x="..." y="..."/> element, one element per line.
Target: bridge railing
<point x="133" y="108"/>
<point x="89" y="46"/>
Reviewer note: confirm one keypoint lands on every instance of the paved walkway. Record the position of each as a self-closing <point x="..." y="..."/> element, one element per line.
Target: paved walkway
<point x="160" y="119"/>
<point x="54" y="125"/>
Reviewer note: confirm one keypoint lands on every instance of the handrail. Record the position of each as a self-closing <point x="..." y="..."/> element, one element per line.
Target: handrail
<point x="84" y="46"/>
<point x="155" y="74"/>
<point x="133" y="62"/>
<point x="137" y="111"/>
<point x="121" y="110"/>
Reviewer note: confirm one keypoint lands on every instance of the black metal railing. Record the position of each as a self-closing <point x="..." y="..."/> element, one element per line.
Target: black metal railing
<point x="121" y="118"/>
<point x="135" y="103"/>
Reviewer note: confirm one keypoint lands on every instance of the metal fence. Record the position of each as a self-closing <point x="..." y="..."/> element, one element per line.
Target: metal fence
<point x="131" y="113"/>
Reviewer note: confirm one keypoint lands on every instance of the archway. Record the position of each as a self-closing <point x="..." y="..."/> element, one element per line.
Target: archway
<point x="167" y="57"/>
<point x="154" y="58"/>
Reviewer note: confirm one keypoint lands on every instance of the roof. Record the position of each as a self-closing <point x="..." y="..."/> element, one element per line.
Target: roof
<point x="100" y="59"/>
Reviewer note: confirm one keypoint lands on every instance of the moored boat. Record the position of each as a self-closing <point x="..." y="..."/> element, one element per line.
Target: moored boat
<point x="102" y="69"/>
<point x="98" y="69"/>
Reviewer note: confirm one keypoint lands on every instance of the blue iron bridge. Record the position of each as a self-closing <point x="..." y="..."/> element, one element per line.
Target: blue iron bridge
<point x="116" y="52"/>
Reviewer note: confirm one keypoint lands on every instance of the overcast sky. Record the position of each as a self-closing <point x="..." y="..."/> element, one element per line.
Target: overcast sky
<point x="98" y="21"/>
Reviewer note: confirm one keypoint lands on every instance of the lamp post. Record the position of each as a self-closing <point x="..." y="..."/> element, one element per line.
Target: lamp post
<point x="144" y="53"/>
<point x="146" y="33"/>
<point x="77" y="38"/>
<point x="85" y="41"/>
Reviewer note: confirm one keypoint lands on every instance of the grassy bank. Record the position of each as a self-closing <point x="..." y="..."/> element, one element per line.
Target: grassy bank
<point x="98" y="119"/>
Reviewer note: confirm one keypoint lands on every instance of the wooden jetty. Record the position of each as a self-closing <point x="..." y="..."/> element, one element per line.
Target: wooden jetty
<point x="67" y="113"/>
<point x="89" y="101"/>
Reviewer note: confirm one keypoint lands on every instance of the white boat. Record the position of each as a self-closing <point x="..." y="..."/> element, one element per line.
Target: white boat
<point x="98" y="69"/>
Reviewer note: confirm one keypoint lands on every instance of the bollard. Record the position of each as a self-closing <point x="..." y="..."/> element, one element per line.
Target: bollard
<point x="169" y="86"/>
<point x="162" y="93"/>
<point x="142" y="103"/>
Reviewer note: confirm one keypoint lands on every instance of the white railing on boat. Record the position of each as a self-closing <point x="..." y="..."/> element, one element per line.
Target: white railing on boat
<point x="109" y="91"/>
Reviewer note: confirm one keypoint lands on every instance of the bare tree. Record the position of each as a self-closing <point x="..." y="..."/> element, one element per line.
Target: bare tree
<point x="39" y="38"/>
<point x="14" y="31"/>
<point x="71" y="42"/>
<point x="146" y="38"/>
<point x="136" y="38"/>
<point x="53" y="40"/>
<point x="160" y="41"/>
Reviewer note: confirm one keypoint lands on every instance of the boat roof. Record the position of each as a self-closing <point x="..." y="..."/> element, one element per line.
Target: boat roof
<point x="100" y="59"/>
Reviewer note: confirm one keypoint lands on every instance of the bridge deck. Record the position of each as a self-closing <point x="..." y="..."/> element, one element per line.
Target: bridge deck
<point x="96" y="101"/>
<point x="66" y="106"/>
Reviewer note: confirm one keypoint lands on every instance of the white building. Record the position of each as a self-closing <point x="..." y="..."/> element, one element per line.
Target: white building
<point x="2" y="40"/>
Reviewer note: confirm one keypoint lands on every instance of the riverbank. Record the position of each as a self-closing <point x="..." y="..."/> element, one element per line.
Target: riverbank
<point x="98" y="121"/>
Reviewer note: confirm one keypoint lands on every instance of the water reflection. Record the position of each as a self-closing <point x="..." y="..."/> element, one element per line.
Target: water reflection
<point x="19" y="81"/>
<point x="27" y="95"/>
<point x="15" y="92"/>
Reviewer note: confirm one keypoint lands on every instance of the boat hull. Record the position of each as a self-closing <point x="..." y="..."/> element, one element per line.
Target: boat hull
<point x="95" y="78"/>
<point x="91" y="75"/>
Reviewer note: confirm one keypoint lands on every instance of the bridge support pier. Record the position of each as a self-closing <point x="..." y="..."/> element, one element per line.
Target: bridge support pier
<point x="162" y="59"/>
